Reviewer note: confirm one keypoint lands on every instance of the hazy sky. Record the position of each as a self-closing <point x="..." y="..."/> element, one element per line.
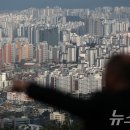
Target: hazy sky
<point x="23" y="4"/>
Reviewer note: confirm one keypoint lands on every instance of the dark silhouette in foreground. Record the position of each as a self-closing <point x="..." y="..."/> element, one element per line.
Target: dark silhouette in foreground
<point x="106" y="110"/>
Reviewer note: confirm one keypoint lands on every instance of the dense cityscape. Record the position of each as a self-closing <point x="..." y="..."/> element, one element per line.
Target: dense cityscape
<point x="63" y="49"/>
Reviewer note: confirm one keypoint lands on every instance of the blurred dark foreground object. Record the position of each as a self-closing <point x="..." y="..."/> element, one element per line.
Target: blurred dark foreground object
<point x="106" y="110"/>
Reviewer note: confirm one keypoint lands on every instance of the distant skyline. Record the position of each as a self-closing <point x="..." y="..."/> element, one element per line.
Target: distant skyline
<point x="24" y="4"/>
